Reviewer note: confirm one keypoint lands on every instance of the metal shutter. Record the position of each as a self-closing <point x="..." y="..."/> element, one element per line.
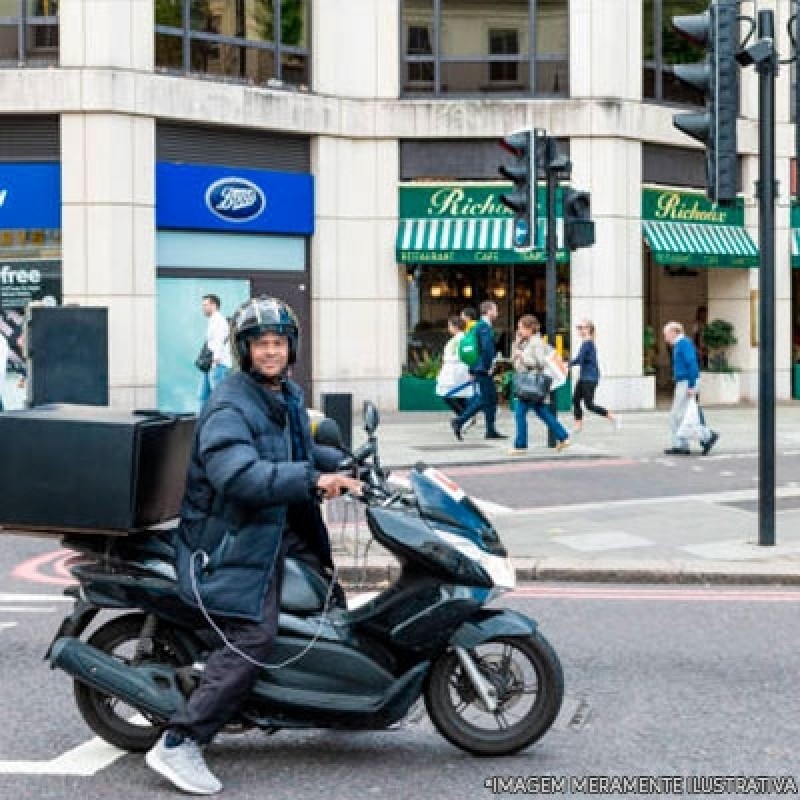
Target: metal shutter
<point x="235" y="147"/>
<point x="29" y="138"/>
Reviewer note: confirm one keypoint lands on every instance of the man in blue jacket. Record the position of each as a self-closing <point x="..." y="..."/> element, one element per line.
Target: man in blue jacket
<point x="685" y="372"/>
<point x="251" y="492"/>
<point x="486" y="397"/>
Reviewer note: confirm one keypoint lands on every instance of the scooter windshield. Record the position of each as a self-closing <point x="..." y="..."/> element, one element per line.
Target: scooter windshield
<point x="444" y="501"/>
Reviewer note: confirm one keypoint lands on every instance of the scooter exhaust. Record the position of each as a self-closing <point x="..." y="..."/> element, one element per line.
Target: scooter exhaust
<point x="150" y="688"/>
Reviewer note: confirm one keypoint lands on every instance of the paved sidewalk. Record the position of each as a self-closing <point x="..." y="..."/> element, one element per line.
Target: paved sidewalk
<point x="708" y="538"/>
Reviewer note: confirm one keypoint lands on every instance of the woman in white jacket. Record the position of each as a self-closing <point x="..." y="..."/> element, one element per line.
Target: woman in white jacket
<point x="454" y="384"/>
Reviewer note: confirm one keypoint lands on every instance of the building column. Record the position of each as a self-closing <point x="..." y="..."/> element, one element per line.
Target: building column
<point x="108" y="192"/>
<point x="358" y="295"/>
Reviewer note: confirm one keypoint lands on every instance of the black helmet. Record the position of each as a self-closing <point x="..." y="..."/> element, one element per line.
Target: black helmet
<point x="262" y="315"/>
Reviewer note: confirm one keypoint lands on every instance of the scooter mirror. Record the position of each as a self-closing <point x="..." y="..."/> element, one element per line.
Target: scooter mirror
<point x="327" y="433"/>
<point x="371" y="417"/>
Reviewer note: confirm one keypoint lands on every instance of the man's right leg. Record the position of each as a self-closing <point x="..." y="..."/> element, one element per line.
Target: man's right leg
<point x="680" y="402"/>
<point x="474" y="405"/>
<point x="226" y="682"/>
<point x="489" y="394"/>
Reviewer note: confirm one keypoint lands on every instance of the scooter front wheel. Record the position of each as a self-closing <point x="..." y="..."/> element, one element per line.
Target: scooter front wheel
<point x="527" y="676"/>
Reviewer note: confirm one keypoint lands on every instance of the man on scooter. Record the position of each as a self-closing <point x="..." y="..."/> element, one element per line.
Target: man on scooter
<point x="253" y="483"/>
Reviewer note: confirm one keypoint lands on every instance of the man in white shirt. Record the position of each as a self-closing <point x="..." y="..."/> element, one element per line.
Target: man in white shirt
<point x="218" y="341"/>
<point x="3" y="366"/>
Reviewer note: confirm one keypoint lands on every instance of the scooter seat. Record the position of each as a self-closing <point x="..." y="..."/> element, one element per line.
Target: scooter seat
<point x="303" y="591"/>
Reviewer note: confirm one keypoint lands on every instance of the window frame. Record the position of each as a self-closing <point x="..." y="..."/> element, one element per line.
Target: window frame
<point x="277" y="48"/>
<point x="532" y="57"/>
<point x="657" y="64"/>
<point x="22" y="21"/>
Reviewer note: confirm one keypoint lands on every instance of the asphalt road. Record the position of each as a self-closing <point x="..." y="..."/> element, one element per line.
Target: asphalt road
<point x="660" y="682"/>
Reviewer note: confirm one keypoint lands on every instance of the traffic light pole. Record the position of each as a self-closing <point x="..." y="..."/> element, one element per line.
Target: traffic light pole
<point x="767" y="69"/>
<point x="551" y="282"/>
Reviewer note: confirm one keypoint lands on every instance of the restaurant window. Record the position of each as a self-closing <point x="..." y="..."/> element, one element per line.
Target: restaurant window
<point x="235" y="40"/>
<point x="517" y="47"/>
<point x="662" y="48"/>
<point x="28" y="33"/>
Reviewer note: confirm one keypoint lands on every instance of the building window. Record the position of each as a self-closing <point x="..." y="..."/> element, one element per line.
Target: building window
<point x="468" y="47"/>
<point x="662" y="48"/>
<point x="28" y="33"/>
<point x="235" y="40"/>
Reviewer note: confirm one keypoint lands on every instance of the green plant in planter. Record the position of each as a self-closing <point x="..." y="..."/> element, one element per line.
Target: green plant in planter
<point x="648" y="349"/>
<point x="425" y="366"/>
<point x="718" y="336"/>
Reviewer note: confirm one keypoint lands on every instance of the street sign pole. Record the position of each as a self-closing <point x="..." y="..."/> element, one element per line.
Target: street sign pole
<point x="767" y="69"/>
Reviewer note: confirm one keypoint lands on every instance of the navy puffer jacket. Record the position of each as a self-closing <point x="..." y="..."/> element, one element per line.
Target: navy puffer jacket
<point x="240" y="488"/>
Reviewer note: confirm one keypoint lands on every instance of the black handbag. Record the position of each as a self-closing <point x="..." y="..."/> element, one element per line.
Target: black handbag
<point x="205" y="358"/>
<point x="532" y="387"/>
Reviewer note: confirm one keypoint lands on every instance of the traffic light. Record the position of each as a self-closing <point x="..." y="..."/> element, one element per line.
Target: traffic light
<point x="717" y="30"/>
<point x="578" y="223"/>
<point x="522" y="199"/>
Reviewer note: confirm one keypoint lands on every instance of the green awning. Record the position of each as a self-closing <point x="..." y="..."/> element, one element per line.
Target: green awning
<point x="698" y="245"/>
<point x="466" y="240"/>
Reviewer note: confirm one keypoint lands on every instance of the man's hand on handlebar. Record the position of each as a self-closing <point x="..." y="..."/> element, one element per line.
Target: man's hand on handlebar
<point x="333" y="485"/>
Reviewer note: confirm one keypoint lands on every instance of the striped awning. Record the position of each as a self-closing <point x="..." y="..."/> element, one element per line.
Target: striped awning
<point x="696" y="245"/>
<point x="467" y="241"/>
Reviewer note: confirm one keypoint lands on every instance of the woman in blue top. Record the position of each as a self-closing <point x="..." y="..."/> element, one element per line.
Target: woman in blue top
<point x="588" y="378"/>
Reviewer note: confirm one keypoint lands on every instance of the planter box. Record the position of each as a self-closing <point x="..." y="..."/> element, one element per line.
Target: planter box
<point x="418" y="394"/>
<point x="719" y="388"/>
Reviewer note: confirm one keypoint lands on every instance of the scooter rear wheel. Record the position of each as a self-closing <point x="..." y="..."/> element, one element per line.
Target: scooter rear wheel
<point x="529" y="681"/>
<point x="110" y="718"/>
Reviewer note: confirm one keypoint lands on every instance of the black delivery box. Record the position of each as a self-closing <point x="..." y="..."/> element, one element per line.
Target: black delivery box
<point x="74" y="467"/>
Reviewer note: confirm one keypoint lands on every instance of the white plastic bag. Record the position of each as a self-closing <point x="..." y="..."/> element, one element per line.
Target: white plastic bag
<point x="691" y="425"/>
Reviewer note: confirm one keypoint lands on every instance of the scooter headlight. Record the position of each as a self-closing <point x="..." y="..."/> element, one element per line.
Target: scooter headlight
<point x="499" y="568"/>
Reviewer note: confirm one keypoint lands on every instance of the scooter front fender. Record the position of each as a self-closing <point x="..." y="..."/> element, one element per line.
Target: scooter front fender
<point x="489" y="624"/>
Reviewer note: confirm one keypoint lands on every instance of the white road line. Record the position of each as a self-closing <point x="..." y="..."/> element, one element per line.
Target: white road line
<point x="27" y="609"/>
<point x="718" y="497"/>
<point x="85" y="760"/>
<point x="6" y="625"/>
<point x="9" y="597"/>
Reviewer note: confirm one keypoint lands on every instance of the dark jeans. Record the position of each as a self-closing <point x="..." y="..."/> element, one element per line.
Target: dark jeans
<point x="485" y="400"/>
<point x="456" y="404"/>
<point x="542" y="410"/>
<point x="584" y="391"/>
<point x="228" y="678"/>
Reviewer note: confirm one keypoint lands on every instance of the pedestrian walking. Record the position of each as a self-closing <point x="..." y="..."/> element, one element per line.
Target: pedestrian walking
<point x="685" y="372"/>
<point x="529" y="354"/>
<point x="215" y="359"/>
<point x="454" y="384"/>
<point x="486" y="398"/>
<point x="588" y="378"/>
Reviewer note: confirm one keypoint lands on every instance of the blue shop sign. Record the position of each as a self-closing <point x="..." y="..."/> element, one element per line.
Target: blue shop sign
<point x="216" y="198"/>
<point x="30" y="196"/>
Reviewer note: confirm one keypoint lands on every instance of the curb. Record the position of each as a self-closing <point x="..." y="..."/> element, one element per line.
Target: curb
<point x="375" y="576"/>
<point x="493" y="462"/>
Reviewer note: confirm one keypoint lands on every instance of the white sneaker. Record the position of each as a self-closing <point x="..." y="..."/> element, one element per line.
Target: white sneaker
<point x="184" y="766"/>
<point x="468" y="424"/>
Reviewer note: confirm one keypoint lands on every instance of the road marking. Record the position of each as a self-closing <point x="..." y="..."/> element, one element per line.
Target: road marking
<point x="714" y="499"/>
<point x="6" y="625"/>
<point x="727" y="474"/>
<point x="27" y="609"/>
<point x="85" y="760"/>
<point x="31" y="570"/>
<point x="639" y="594"/>
<point x="597" y="542"/>
<point x="11" y="597"/>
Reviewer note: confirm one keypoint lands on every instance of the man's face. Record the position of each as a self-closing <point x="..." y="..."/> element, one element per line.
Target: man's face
<point x="270" y="354"/>
<point x="669" y="335"/>
<point x="491" y="314"/>
<point x="208" y="307"/>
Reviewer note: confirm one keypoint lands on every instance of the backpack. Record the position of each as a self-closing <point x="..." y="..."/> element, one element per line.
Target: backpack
<point x="469" y="348"/>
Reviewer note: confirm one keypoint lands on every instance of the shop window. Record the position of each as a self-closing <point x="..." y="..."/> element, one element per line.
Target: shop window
<point x="465" y="47"/>
<point x="28" y="33"/>
<point x="235" y="40"/>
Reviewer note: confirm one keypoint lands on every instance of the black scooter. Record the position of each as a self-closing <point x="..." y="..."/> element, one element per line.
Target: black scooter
<point x="492" y="684"/>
